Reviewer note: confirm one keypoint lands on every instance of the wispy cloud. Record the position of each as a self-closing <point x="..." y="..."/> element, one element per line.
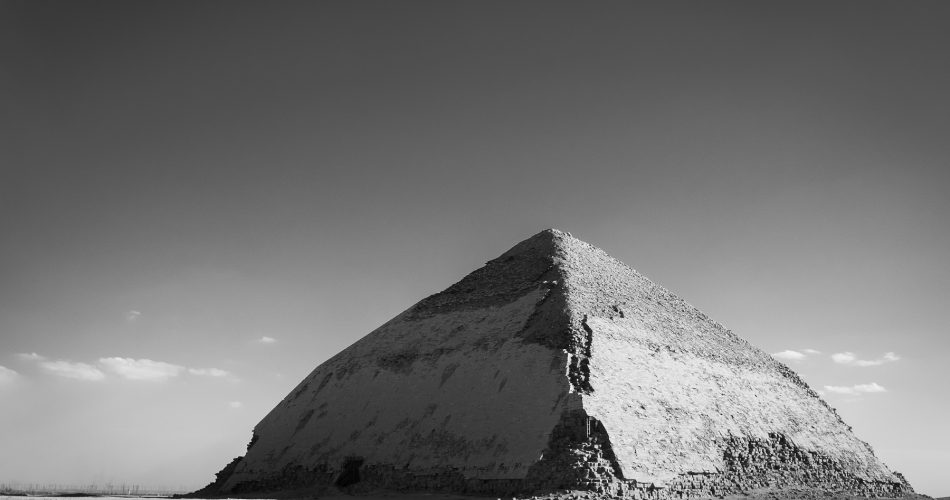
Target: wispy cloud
<point x="7" y="375"/>
<point x="267" y="340"/>
<point x="209" y="372"/>
<point x="850" y="359"/>
<point x="132" y="315"/>
<point x="855" y="390"/>
<point x="69" y="369"/>
<point x="141" y="369"/>
<point x="128" y="368"/>
<point x="235" y="404"/>
<point x="789" y="355"/>
<point x="63" y="368"/>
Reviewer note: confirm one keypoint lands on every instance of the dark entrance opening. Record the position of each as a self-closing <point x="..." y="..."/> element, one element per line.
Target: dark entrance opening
<point x="350" y="472"/>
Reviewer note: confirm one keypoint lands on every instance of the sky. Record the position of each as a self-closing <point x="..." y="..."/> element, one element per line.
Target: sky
<point x="202" y="201"/>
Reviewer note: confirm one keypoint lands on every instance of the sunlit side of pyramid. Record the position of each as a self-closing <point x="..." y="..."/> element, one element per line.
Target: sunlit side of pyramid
<point x="554" y="367"/>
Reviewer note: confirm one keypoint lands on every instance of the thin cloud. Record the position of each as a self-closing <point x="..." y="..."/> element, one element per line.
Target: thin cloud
<point x="141" y="369"/>
<point x="65" y="369"/>
<point x="850" y="359"/>
<point x="128" y="368"/>
<point x="855" y="390"/>
<point x="132" y="315"/>
<point x="209" y="372"/>
<point x="267" y="340"/>
<point x="235" y="404"/>
<point x="789" y="355"/>
<point x="31" y="356"/>
<point x="872" y="387"/>
<point x="7" y="375"/>
<point x="77" y="371"/>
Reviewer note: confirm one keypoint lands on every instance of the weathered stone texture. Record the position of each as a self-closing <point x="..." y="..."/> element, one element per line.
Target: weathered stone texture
<point x="453" y="388"/>
<point x="554" y="367"/>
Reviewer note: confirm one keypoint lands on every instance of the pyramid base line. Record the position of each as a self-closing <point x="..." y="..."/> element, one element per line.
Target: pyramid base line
<point x="320" y="481"/>
<point x="752" y="464"/>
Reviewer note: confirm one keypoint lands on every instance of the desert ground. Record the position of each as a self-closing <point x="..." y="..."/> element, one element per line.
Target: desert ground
<point x="765" y="494"/>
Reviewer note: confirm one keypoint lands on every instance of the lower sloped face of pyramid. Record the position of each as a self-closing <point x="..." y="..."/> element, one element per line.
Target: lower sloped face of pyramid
<point x="422" y="395"/>
<point x="554" y="367"/>
<point x="683" y="421"/>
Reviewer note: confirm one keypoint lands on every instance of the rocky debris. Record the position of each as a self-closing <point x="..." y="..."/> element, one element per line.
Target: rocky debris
<point x="578" y="455"/>
<point x="555" y="371"/>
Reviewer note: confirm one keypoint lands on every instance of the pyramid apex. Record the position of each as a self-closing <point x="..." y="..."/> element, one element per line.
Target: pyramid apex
<point x="555" y="232"/>
<point x="547" y="242"/>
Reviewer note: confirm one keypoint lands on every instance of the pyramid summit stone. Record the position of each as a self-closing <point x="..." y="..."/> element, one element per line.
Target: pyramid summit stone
<point x="554" y="367"/>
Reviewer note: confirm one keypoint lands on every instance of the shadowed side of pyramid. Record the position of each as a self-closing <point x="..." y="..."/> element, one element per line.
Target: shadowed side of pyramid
<point x="553" y="367"/>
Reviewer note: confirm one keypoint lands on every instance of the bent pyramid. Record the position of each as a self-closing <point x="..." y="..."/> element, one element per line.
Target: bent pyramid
<point x="554" y="367"/>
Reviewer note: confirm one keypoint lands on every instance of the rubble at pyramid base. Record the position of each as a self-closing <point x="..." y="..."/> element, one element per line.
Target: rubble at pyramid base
<point x="581" y="462"/>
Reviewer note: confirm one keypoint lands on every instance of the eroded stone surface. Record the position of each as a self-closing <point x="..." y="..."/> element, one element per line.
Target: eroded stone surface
<point x="454" y="388"/>
<point x="670" y="412"/>
<point x="554" y="367"/>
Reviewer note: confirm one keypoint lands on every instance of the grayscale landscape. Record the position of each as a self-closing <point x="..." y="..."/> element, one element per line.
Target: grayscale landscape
<point x="418" y="249"/>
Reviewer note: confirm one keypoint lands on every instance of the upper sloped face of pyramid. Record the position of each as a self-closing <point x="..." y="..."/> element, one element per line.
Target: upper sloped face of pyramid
<point x="585" y="280"/>
<point x="597" y="284"/>
<point x="522" y="269"/>
<point x="486" y="381"/>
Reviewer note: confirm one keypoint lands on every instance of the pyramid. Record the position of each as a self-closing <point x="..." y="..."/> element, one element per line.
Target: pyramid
<point x="554" y="367"/>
